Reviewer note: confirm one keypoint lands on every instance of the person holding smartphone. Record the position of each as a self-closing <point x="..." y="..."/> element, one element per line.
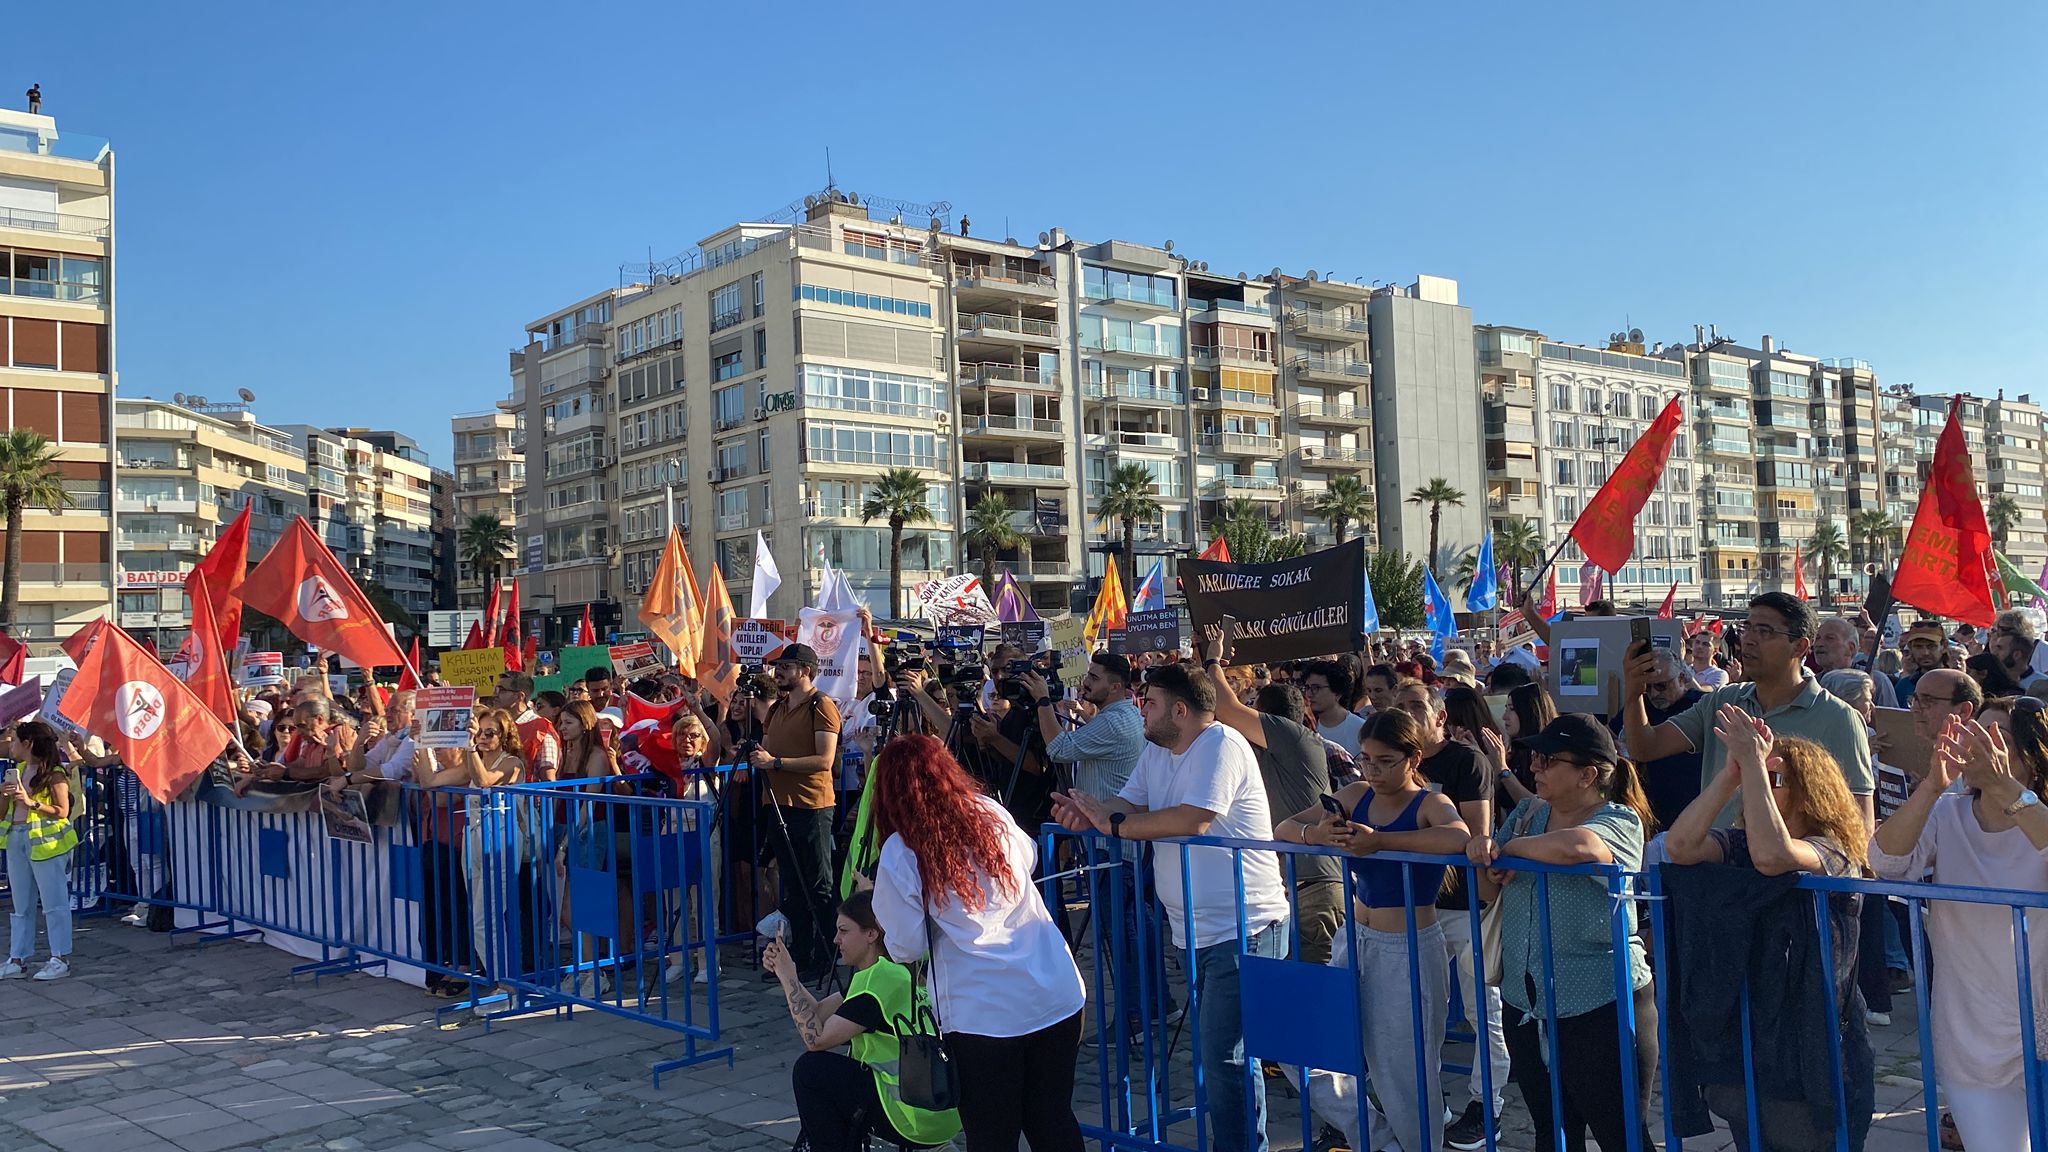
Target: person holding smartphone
<point x="35" y="821"/>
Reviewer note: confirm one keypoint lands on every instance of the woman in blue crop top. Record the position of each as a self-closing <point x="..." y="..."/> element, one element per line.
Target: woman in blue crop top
<point x="1391" y="809"/>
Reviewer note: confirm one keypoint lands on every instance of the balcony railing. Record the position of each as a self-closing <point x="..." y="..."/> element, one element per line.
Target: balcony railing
<point x="30" y="220"/>
<point x="728" y="521"/>
<point x="1111" y="441"/>
<point x="999" y="423"/>
<point x="1233" y="396"/>
<point x="1132" y="294"/>
<point x="1254" y="486"/>
<point x="1200" y="306"/>
<point x="1319" y="453"/>
<point x="1028" y="473"/>
<point x="931" y="462"/>
<point x="1330" y="410"/>
<point x="1331" y="366"/>
<point x="1226" y="354"/>
<point x="1335" y="324"/>
<point x="1018" y="375"/>
<point x="60" y="574"/>
<point x="1240" y="442"/>
<point x="1120" y="390"/>
<point x="977" y="323"/>
<point x="975" y="275"/>
<point x="1041" y="569"/>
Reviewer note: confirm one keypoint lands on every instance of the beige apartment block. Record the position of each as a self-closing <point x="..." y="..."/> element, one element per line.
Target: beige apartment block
<point x="489" y="480"/>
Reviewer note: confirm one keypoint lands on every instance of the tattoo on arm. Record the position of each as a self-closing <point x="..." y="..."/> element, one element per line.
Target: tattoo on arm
<point x="803" y="1008"/>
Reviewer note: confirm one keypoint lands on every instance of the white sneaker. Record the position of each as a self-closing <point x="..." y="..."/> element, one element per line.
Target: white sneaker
<point x="56" y="969"/>
<point x="12" y="970"/>
<point x="1878" y="1019"/>
<point x="137" y="915"/>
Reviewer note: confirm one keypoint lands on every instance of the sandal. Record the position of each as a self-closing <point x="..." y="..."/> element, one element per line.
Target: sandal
<point x="1950" y="1137"/>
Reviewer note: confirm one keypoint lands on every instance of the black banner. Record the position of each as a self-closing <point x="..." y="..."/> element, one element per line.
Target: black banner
<point x="1155" y="630"/>
<point x="1286" y="610"/>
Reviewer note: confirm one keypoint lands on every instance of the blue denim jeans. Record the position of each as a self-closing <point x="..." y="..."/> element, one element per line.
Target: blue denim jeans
<point x="44" y="882"/>
<point x="1237" y="1121"/>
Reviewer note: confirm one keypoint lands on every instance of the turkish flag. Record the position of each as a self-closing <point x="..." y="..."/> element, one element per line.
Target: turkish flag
<point x="1217" y="550"/>
<point x="1945" y="568"/>
<point x="410" y="678"/>
<point x="475" y="639"/>
<point x="13" y="660"/>
<point x="162" y="732"/>
<point x="718" y="670"/>
<point x="640" y="709"/>
<point x="223" y="569"/>
<point x="491" y="617"/>
<point x="206" y="665"/>
<point x="1670" y="603"/>
<point x="1606" y="530"/>
<point x="1547" y="606"/>
<point x="305" y="588"/>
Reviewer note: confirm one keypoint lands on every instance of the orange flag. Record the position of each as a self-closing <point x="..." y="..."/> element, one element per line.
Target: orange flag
<point x="1798" y="574"/>
<point x="222" y="570"/>
<point x="304" y="587"/>
<point x="1111" y="607"/>
<point x="673" y="608"/>
<point x="717" y="669"/>
<point x="206" y="664"/>
<point x="1946" y="566"/>
<point x="162" y="732"/>
<point x="1606" y="529"/>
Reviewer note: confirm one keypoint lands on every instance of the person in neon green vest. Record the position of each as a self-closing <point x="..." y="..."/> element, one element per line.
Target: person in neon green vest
<point x="36" y="796"/>
<point x="841" y="1099"/>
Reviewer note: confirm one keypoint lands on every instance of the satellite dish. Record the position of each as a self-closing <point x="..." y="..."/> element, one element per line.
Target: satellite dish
<point x="1169" y="245"/>
<point x="810" y="202"/>
<point x="1311" y="274"/>
<point x="853" y="198"/>
<point x="1045" y="237"/>
<point x="1276" y="271"/>
<point x="1635" y="335"/>
<point x="177" y="397"/>
<point x="247" y="396"/>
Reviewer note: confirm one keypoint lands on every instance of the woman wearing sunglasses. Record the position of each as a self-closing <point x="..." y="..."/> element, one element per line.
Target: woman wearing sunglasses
<point x="1797" y="816"/>
<point x="451" y="909"/>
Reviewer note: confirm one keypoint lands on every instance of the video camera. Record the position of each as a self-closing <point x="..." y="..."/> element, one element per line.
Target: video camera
<point x="1013" y="690"/>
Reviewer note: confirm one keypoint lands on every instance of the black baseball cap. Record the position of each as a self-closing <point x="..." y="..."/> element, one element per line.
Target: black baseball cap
<point x="1574" y="734"/>
<point x="802" y="654"/>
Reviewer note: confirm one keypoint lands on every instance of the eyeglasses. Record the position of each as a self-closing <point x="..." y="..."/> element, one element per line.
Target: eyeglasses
<point x="1541" y="761"/>
<point x="1920" y="701"/>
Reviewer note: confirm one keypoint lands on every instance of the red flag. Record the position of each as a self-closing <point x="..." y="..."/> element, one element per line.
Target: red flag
<point x="475" y="639"/>
<point x="1547" y="606"/>
<point x="531" y="651"/>
<point x="1606" y="529"/>
<point x="80" y="642"/>
<point x="206" y="664"/>
<point x="1945" y="568"/>
<point x="1217" y="550"/>
<point x="410" y="677"/>
<point x="491" y="617"/>
<point x="161" y="731"/>
<point x="586" y="634"/>
<point x="508" y="628"/>
<point x="304" y="587"/>
<point x="1714" y="625"/>
<point x="639" y="709"/>
<point x="1798" y="574"/>
<point x="1670" y="603"/>
<point x="13" y="660"/>
<point x="225" y="566"/>
<point x="509" y="641"/>
<point x="1590" y="580"/>
<point x="1514" y="618"/>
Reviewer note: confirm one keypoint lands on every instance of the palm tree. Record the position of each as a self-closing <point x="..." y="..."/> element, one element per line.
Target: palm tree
<point x="1129" y="495"/>
<point x="1826" y="548"/>
<point x="1396" y="589"/>
<point x="989" y="531"/>
<point x="1517" y="542"/>
<point x="1345" y="502"/>
<point x="1468" y="567"/>
<point x="2003" y="514"/>
<point x="1876" y="528"/>
<point x="1437" y="493"/>
<point x="28" y="476"/>
<point x="486" y="543"/>
<point x="899" y="498"/>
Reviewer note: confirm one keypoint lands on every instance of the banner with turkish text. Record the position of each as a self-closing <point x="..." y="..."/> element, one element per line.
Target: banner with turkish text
<point x="1285" y="610"/>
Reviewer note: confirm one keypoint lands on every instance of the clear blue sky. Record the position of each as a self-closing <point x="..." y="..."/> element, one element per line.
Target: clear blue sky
<point x="353" y="209"/>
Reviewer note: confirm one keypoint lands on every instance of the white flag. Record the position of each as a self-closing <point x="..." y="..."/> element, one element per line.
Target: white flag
<point x="766" y="578"/>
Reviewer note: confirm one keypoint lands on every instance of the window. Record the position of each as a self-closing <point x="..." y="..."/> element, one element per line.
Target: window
<point x="861" y="390"/>
<point x="1567" y="507"/>
<point x="764" y="459"/>
<point x="760" y="349"/>
<point x="1101" y="283"/>
<point x="876" y="246"/>
<point x="1589" y="400"/>
<point x="1646" y="407"/>
<point x="760" y="295"/>
<point x="870" y="301"/>
<point x="1561" y="397"/>
<point x="728" y="406"/>
<point x="1567" y="470"/>
<point x="728" y="366"/>
<point x="732" y="461"/>
<point x="872" y="444"/>
<point x="725" y="307"/>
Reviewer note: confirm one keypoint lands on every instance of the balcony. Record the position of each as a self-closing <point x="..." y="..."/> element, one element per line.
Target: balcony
<point x="1130" y="295"/>
<point x="1006" y="281"/>
<point x="1331" y="369"/>
<point x="975" y="425"/>
<point x="1000" y="472"/>
<point x="1240" y="444"/>
<point x="732" y="521"/>
<point x="1330" y="412"/>
<point x="1234" y="397"/>
<point x="1150" y="347"/>
<point x="1123" y="390"/>
<point x="166" y="541"/>
<point x="63" y="574"/>
<point x="1328" y="326"/>
<point x="1225" y="309"/>
<point x="168" y="505"/>
<point x="1215" y="355"/>
<point x="985" y="374"/>
<point x="1041" y="569"/>
<point x="1244" y="487"/>
<point x="1333" y="456"/>
<point x="1010" y="329"/>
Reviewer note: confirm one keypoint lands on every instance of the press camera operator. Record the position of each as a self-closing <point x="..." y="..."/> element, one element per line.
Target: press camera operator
<point x="998" y="743"/>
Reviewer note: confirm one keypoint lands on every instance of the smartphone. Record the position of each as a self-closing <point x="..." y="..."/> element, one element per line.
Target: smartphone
<point x="1229" y="638"/>
<point x="1331" y="806"/>
<point x="1638" y="634"/>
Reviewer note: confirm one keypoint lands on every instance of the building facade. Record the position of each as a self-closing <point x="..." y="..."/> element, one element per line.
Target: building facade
<point x="1426" y="421"/>
<point x="57" y="371"/>
<point x="489" y="480"/>
<point x="370" y="500"/>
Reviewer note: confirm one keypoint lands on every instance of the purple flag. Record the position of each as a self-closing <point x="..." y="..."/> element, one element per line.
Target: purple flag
<point x="1011" y="606"/>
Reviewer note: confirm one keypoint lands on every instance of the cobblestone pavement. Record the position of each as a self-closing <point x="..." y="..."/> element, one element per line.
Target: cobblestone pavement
<point x="155" y="1046"/>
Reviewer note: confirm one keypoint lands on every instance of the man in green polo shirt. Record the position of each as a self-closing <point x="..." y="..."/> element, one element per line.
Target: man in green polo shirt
<point x="1780" y="689"/>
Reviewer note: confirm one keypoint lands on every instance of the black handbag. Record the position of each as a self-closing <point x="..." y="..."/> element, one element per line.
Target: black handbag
<point x="927" y="1078"/>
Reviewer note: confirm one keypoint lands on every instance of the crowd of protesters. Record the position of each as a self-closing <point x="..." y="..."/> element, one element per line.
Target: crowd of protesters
<point x="1737" y="761"/>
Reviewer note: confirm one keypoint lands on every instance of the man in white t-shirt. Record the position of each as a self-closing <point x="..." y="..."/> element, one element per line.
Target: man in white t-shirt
<point x="1197" y="777"/>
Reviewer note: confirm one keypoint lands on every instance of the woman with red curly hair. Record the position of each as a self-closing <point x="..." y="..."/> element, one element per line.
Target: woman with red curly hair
<point x="955" y="869"/>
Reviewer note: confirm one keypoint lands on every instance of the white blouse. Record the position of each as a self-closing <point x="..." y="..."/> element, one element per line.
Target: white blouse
<point x="1976" y="1003"/>
<point x="1002" y="970"/>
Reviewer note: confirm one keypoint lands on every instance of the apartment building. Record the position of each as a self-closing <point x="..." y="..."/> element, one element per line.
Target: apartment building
<point x="187" y="469"/>
<point x="1326" y="412"/>
<point x="370" y="500"/>
<point x="2012" y="467"/>
<point x="489" y="480"/>
<point x="1425" y="417"/>
<point x="57" y="372"/>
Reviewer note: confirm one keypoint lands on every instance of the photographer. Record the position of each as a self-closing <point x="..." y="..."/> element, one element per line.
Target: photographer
<point x="993" y="739"/>
<point x="798" y="752"/>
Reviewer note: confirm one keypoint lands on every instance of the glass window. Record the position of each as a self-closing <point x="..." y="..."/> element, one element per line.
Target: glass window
<point x="728" y="366"/>
<point x="726" y="307"/>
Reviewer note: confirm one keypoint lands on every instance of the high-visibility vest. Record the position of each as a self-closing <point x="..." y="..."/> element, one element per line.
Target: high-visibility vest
<point x="889" y="983"/>
<point x="48" y="836"/>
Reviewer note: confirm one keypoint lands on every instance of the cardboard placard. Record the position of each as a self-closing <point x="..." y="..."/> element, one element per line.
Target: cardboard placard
<point x="444" y="715"/>
<point x="1026" y="634"/>
<point x="54" y="697"/>
<point x="960" y="637"/>
<point x="1903" y="746"/>
<point x="21" y="700"/>
<point x="262" y="668"/>
<point x="346" y="815"/>
<point x="1155" y="630"/>
<point x="478" y="668"/>
<point x="632" y="661"/>
<point x="754" y="641"/>
<point x="1586" y="658"/>
<point x="1065" y="637"/>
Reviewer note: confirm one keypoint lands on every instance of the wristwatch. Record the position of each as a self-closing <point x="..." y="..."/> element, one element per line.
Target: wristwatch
<point x="776" y="764"/>
<point x="1045" y="701"/>
<point x="1116" y="825"/>
<point x="2027" y="800"/>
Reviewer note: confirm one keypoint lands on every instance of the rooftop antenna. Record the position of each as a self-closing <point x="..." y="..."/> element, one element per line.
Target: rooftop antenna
<point x="828" y="168"/>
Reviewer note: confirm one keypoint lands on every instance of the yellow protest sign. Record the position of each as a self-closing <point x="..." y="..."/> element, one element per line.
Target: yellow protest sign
<point x="478" y="668"/>
<point x="1065" y="637"/>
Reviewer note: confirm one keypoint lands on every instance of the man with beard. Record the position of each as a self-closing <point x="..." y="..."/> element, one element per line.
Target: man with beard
<point x="2013" y="637"/>
<point x="1924" y="645"/>
<point x="1198" y="777"/>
